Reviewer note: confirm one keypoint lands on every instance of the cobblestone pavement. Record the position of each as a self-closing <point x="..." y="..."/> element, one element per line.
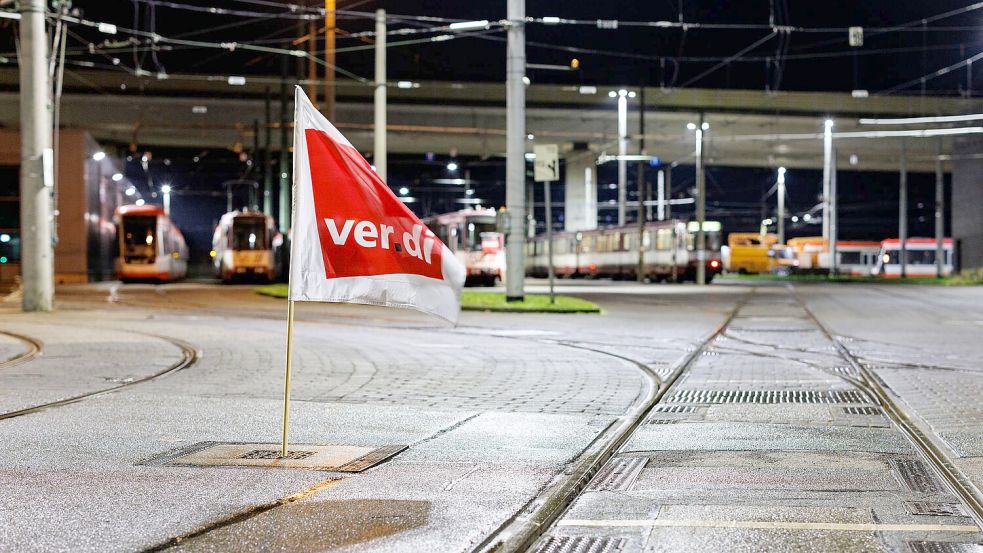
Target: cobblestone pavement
<point x="764" y="444"/>
<point x="491" y="410"/>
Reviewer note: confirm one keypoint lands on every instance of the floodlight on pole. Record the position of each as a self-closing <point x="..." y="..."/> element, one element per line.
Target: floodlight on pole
<point x="622" y="151"/>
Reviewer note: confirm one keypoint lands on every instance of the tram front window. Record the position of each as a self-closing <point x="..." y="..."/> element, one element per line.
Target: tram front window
<point x="249" y="234"/>
<point x="475" y="228"/>
<point x="139" y="232"/>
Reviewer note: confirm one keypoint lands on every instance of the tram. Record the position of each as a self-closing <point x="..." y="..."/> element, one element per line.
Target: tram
<point x="473" y="236"/>
<point x="242" y="246"/>
<point x="151" y="247"/>
<point x="856" y="257"/>
<point x="920" y="258"/>
<point x="669" y="252"/>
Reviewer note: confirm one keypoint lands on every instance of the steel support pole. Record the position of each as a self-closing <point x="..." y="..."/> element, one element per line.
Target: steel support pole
<point x="781" y="205"/>
<point x="827" y="174"/>
<point x="267" y="158"/>
<point x="515" y="162"/>
<point x="939" y="214"/>
<point x="284" y="218"/>
<point x="903" y="212"/>
<point x="834" y="217"/>
<point x="668" y="204"/>
<point x="379" y="148"/>
<point x="622" y="152"/>
<point x="701" y="208"/>
<point x="549" y="237"/>
<point x="329" y="59"/>
<point x="660" y="212"/>
<point x="36" y="170"/>
<point x="640" y="273"/>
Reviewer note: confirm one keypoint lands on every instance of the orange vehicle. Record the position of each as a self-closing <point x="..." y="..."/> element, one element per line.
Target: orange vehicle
<point x="749" y="252"/>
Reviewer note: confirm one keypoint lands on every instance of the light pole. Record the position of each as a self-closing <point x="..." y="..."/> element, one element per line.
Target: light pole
<point x="379" y="149"/>
<point x="781" y="205"/>
<point x="515" y="149"/>
<point x="827" y="175"/>
<point x="166" y="189"/>
<point x="939" y="214"/>
<point x="701" y="206"/>
<point x="36" y="172"/>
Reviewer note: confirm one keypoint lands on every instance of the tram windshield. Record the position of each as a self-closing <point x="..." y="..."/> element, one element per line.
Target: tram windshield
<point x="249" y="234"/>
<point x="139" y="237"/>
<point x="476" y="228"/>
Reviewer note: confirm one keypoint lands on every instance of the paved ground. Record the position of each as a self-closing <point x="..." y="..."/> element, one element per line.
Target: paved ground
<point x="762" y="443"/>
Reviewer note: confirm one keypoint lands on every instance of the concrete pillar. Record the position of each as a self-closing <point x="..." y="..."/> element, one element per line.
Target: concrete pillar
<point x="967" y="197"/>
<point x="580" y="192"/>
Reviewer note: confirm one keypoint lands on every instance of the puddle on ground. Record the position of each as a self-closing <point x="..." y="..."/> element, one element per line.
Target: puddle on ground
<point x="307" y="526"/>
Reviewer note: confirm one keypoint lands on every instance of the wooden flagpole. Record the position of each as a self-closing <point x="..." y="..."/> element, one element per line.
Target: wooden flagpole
<point x="290" y="301"/>
<point x="286" y="379"/>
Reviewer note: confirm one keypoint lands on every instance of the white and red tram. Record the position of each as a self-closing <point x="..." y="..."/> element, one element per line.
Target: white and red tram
<point x="920" y="258"/>
<point x="151" y="247"/>
<point x="669" y="252"/>
<point x="473" y="236"/>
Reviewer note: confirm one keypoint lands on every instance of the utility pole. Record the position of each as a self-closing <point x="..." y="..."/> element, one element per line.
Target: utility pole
<point x="939" y="214"/>
<point x="284" y="218"/>
<point x="329" y="59"/>
<point x="701" y="208"/>
<point x="834" y="216"/>
<point x="660" y="211"/>
<point x="827" y="175"/>
<point x="515" y="145"/>
<point x="622" y="152"/>
<point x="379" y="149"/>
<point x="253" y="199"/>
<point x="641" y="188"/>
<point x="267" y="160"/>
<point x="903" y="213"/>
<point x="781" y="205"/>
<point x="36" y="170"/>
<point x="668" y="206"/>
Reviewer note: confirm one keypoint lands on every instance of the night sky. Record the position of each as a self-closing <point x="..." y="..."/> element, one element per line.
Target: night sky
<point x="821" y="61"/>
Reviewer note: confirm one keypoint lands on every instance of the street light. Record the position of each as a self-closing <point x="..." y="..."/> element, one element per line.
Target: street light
<point x="99" y="156"/>
<point x="130" y="191"/>
<point x="781" y="205"/>
<point x="166" y="189"/>
<point x="117" y="177"/>
<point x="452" y="166"/>
<point x="404" y="191"/>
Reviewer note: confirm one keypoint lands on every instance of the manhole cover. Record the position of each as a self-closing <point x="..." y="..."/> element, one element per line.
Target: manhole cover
<point x="617" y="475"/>
<point x="916" y="476"/>
<point x="768" y="396"/>
<point x="340" y="458"/>
<point x="275" y="454"/>
<point x="581" y="544"/>
<point x="931" y="508"/>
<point x="944" y="547"/>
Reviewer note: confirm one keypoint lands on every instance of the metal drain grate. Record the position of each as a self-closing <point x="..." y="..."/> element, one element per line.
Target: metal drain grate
<point x="944" y="547"/>
<point x="581" y="544"/>
<point x="618" y="474"/>
<point x="768" y="396"/>
<point x="675" y="409"/>
<point x="931" y="508"/>
<point x="916" y="476"/>
<point x="275" y="454"/>
<point x="662" y="421"/>
<point x="865" y="410"/>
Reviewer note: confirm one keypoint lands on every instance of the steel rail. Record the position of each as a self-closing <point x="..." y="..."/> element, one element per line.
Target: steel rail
<point x="34" y="349"/>
<point x="521" y="531"/>
<point x="189" y="356"/>
<point x="872" y="385"/>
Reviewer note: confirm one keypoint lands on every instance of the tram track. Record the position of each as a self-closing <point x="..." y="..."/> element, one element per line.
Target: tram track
<point x="871" y="384"/>
<point x="34" y="349"/>
<point x="189" y="356"/>
<point x="521" y="531"/>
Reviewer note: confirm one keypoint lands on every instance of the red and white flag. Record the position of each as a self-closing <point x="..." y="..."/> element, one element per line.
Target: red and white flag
<point x="354" y="241"/>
